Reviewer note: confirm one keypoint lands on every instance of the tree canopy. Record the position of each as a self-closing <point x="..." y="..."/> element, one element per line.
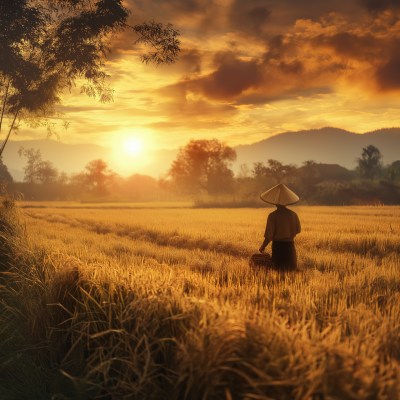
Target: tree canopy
<point x="46" y="46"/>
<point x="34" y="162"/>
<point x="309" y="173"/>
<point x="369" y="164"/>
<point x="204" y="164"/>
<point x="37" y="170"/>
<point x="275" y="170"/>
<point x="98" y="175"/>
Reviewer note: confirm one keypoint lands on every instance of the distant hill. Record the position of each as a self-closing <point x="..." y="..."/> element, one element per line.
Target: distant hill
<point x="326" y="145"/>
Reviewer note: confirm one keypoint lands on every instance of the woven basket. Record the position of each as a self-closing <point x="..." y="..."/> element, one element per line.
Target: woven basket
<point x="262" y="260"/>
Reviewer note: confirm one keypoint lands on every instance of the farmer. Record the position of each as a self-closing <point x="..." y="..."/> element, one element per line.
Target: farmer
<point x="282" y="226"/>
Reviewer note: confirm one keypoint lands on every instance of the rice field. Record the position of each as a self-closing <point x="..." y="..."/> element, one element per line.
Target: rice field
<point x="166" y="305"/>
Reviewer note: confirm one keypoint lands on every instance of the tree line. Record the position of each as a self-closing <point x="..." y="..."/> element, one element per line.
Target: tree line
<point x="97" y="182"/>
<point x="204" y="167"/>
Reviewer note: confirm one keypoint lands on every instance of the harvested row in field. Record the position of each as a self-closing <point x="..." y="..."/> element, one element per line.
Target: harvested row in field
<point x="158" y="237"/>
<point x="372" y="242"/>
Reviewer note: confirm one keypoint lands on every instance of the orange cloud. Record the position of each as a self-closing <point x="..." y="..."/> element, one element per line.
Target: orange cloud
<point x="232" y="78"/>
<point x="249" y="69"/>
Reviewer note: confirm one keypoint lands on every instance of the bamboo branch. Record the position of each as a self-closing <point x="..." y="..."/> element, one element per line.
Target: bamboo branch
<point x="5" y="102"/>
<point x="9" y="133"/>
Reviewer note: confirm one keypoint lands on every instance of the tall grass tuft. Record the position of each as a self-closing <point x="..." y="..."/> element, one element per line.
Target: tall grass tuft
<point x="12" y="233"/>
<point x="29" y="353"/>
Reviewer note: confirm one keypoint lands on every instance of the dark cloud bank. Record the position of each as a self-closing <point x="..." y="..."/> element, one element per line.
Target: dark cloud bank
<point x="344" y="35"/>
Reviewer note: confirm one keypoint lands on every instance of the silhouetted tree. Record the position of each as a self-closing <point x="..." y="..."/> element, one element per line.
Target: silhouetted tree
<point x="275" y="170"/>
<point x="36" y="169"/>
<point x="98" y="176"/>
<point x="308" y="173"/>
<point x="369" y="164"/>
<point x="33" y="164"/>
<point x="4" y="173"/>
<point x="140" y="186"/>
<point x="77" y="184"/>
<point x="258" y="170"/>
<point x="46" y="172"/>
<point x="393" y="174"/>
<point x="204" y="164"/>
<point x="63" y="178"/>
<point x="279" y="171"/>
<point x="46" y="45"/>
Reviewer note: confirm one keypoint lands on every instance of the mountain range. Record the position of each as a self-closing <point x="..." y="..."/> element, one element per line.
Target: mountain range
<point x="327" y="145"/>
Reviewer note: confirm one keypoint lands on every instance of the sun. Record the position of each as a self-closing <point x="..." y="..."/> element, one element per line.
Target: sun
<point x="133" y="146"/>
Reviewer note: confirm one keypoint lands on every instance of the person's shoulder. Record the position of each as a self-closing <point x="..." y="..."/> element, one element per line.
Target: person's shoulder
<point x="291" y="211"/>
<point x="272" y="214"/>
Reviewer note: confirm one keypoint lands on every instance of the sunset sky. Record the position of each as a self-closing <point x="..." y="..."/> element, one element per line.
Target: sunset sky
<point x="248" y="69"/>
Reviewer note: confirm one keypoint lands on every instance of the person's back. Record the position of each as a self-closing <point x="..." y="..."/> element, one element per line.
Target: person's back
<point x="282" y="226"/>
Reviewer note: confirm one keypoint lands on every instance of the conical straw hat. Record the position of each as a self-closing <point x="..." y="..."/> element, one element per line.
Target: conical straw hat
<point x="280" y="195"/>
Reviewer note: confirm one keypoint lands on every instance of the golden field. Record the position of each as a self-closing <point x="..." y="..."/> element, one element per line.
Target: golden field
<point x="159" y="302"/>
